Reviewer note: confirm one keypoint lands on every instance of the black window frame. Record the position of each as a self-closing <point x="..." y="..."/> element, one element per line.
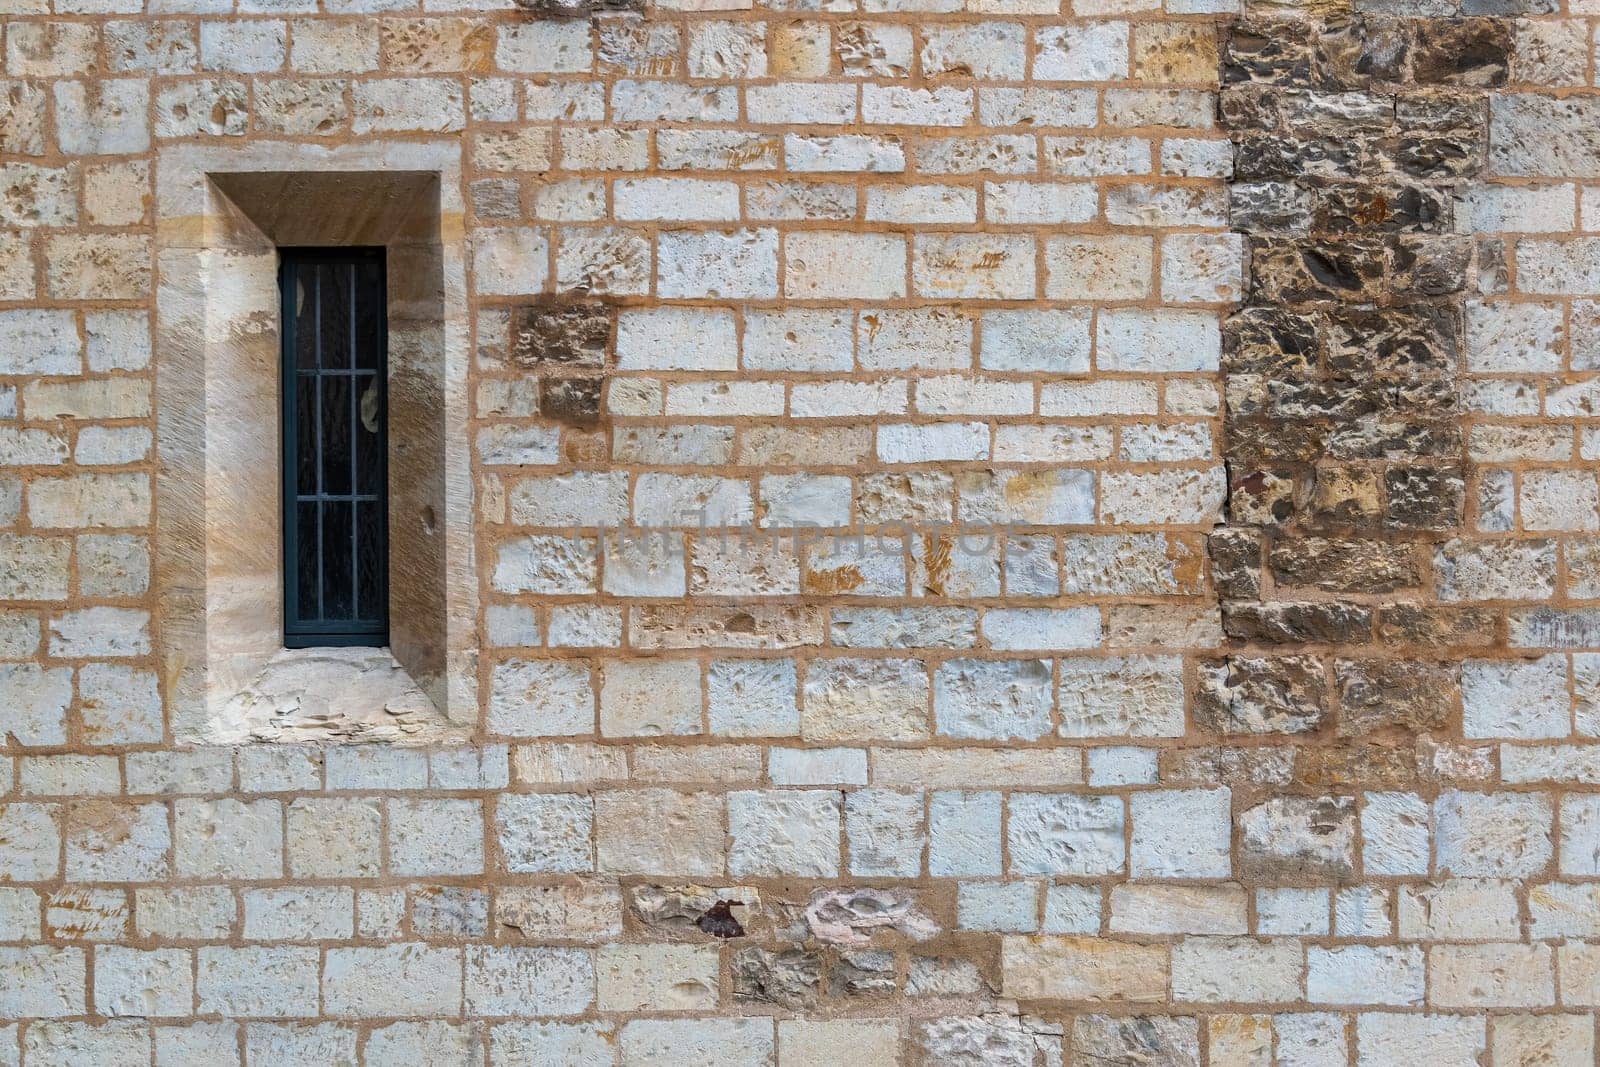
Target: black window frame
<point x="301" y="632"/>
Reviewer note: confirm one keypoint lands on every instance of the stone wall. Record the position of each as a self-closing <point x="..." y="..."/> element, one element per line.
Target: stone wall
<point x="1011" y="532"/>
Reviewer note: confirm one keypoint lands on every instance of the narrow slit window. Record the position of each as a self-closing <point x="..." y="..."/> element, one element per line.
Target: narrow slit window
<point x="335" y="448"/>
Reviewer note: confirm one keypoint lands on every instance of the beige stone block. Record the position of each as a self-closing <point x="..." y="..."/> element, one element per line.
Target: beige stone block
<point x="527" y="981"/>
<point x="868" y="266"/>
<point x="557" y="762"/>
<point x="16" y="267"/>
<point x="527" y="149"/>
<point x="51" y="49"/>
<point x="304" y="107"/>
<point x="84" y="500"/>
<point x="938" y="768"/>
<point x="105" y="398"/>
<point x="735" y="764"/>
<point x="859" y="1042"/>
<point x="1491" y="976"/>
<point x="437" y="45"/>
<point x="185" y="913"/>
<point x="659" y="832"/>
<point x="1219" y="970"/>
<point x="858" y="700"/>
<point x="398" y="105"/>
<point x="228" y="838"/>
<point x="1579" y="965"/>
<point x="585" y="910"/>
<point x="798" y="50"/>
<point x="395" y="980"/>
<point x="319" y="46"/>
<point x="37" y="195"/>
<point x="102" y="117"/>
<point x="37" y="567"/>
<point x="1240" y="1040"/>
<point x="1083" y="968"/>
<point x="1162" y="909"/>
<point x="974" y="266"/>
<point x="650" y="698"/>
<point x="117" y="194"/>
<point x="1535" y="1040"/>
<point x="648" y="978"/>
<point x="728" y="1042"/>
<point x="1098" y="268"/>
<point x="100" y="266"/>
<point x="22" y="121"/>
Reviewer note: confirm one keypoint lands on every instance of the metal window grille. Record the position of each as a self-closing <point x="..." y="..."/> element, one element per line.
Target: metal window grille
<point x="335" y="448"/>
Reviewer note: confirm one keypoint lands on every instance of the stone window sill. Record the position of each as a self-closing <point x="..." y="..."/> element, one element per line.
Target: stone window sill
<point x="338" y="695"/>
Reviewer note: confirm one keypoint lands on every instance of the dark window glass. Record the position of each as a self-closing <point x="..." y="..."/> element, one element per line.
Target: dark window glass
<point x="369" y="319"/>
<point x="334" y="418"/>
<point x="305" y="560"/>
<point x="335" y="444"/>
<point x="333" y="316"/>
<point x="300" y="296"/>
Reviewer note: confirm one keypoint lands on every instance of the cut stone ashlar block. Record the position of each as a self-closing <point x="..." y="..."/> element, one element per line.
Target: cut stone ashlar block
<point x="559" y="333"/>
<point x="581" y="8"/>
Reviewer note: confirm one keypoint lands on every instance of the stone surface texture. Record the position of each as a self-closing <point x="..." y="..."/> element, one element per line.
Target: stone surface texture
<point x="965" y="532"/>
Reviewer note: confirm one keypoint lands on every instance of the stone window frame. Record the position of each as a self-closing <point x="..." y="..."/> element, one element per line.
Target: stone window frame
<point x="221" y="214"/>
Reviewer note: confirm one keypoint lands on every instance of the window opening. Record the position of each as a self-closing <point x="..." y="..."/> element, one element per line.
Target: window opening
<point x="335" y="448"/>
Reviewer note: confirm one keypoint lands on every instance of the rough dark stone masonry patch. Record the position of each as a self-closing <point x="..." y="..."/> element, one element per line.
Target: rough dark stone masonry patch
<point x="1343" y="434"/>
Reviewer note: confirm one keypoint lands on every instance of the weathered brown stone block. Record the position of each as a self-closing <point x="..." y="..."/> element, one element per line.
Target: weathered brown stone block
<point x="1344" y="566"/>
<point x="496" y="198"/>
<point x="1466" y="52"/>
<point x="1269" y="340"/>
<point x="1346" y="496"/>
<point x="1435" y="156"/>
<point x="790" y="978"/>
<point x="1295" y="623"/>
<point x="1211" y="765"/>
<point x="1441" y="111"/>
<point x="1379" y="695"/>
<point x="1235" y="563"/>
<point x="1268" y="52"/>
<point x="1424" y="498"/>
<point x="1431" y="266"/>
<point x="1338" y="400"/>
<point x="556" y="331"/>
<point x="574" y="401"/>
<point x="1261" y="695"/>
<point x="1415" y="338"/>
<point x="577" y="8"/>
<point x="869" y="972"/>
<point x="1298" y="840"/>
<point x="1388" y="434"/>
<point x="1437" y="626"/>
<point x="1273" y="442"/>
<point x="1152" y="1040"/>
<point x="1337" y="117"/>
<point x="1269" y="207"/>
<point x="1510" y="7"/>
<point x="1246" y="108"/>
<point x="1266" y="156"/>
<point x="1354" y="54"/>
<point x="1362" y="208"/>
<point x="1294" y="271"/>
<point x="1264" y="498"/>
<point x="1373" y="766"/>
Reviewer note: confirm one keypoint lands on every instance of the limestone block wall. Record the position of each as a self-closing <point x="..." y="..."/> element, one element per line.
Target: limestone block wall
<point x="1019" y="532"/>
